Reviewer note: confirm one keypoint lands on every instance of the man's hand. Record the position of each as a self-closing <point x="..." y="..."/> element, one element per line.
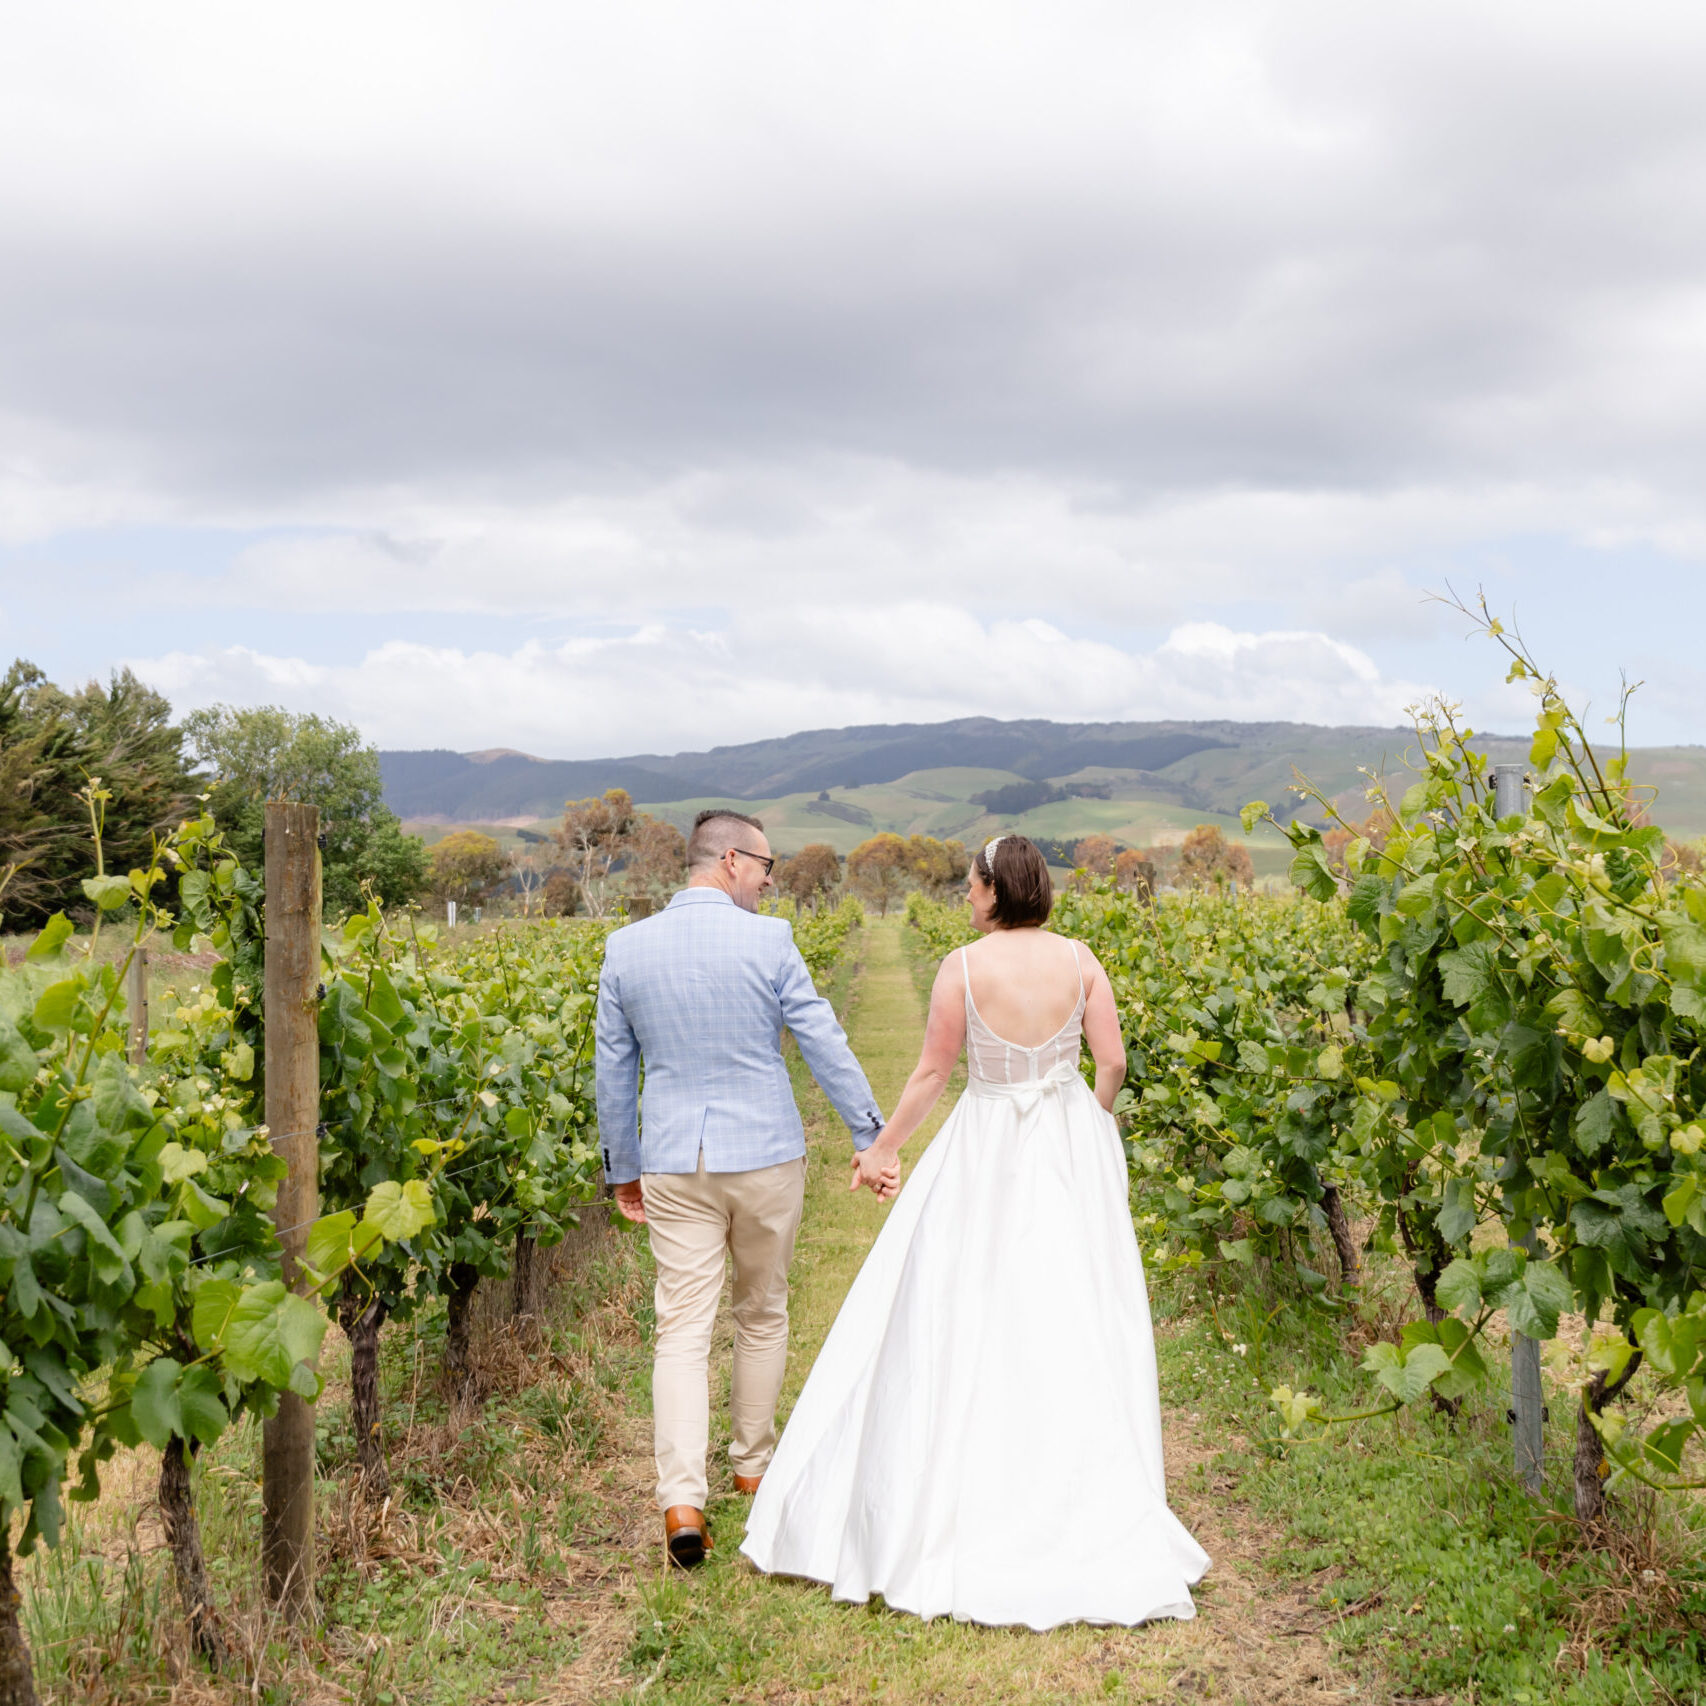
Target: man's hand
<point x="879" y="1169"/>
<point x="631" y="1201"/>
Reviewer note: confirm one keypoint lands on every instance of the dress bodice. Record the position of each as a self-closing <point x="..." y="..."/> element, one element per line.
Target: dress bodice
<point x="992" y="1059"/>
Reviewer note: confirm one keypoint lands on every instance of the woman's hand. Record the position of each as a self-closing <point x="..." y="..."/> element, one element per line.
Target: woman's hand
<point x="878" y="1167"/>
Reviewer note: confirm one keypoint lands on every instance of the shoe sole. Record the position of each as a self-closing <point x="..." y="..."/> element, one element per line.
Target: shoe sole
<point x="687" y="1548"/>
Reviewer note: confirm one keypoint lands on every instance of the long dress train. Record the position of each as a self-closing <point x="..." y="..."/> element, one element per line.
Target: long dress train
<point x="981" y="1435"/>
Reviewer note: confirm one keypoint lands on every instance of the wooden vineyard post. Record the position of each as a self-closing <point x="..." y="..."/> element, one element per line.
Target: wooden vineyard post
<point x="1528" y="1404"/>
<point x="136" y="998"/>
<point x="293" y="1117"/>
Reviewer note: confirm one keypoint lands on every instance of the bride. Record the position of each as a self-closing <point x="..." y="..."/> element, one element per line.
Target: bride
<point x="981" y="1435"/>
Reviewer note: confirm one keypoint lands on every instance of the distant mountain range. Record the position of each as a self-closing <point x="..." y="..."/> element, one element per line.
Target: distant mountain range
<point x="1137" y="781"/>
<point x="504" y="783"/>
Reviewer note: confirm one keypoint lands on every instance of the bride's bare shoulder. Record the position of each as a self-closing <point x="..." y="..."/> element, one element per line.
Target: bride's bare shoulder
<point x="1086" y="955"/>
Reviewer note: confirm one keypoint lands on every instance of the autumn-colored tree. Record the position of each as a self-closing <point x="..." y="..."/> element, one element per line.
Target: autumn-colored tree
<point x="811" y="874"/>
<point x="465" y="867"/>
<point x="1134" y="871"/>
<point x="1096" y="854"/>
<point x="1208" y="859"/>
<point x="879" y="870"/>
<point x="937" y="867"/>
<point x="654" y="861"/>
<point x="1338" y="839"/>
<point x="1682" y="859"/>
<point x="600" y="836"/>
<point x="527" y="871"/>
<point x="561" y="896"/>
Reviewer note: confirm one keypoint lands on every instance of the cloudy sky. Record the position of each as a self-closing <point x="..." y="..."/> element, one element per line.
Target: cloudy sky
<point x="600" y="379"/>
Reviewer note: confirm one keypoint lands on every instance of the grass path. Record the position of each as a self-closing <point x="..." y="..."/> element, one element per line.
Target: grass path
<point x="726" y="1633"/>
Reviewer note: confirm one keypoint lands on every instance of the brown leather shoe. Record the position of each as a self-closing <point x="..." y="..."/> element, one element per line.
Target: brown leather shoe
<point x="687" y="1535"/>
<point x="747" y="1483"/>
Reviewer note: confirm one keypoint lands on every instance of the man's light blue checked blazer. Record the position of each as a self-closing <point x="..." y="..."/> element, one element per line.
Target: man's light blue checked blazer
<point x="701" y="992"/>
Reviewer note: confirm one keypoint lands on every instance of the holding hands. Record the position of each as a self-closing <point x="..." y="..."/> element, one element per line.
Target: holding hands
<point x="878" y="1167"/>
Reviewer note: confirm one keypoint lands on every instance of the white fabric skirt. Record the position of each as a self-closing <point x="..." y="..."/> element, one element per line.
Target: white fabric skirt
<point x="981" y="1435"/>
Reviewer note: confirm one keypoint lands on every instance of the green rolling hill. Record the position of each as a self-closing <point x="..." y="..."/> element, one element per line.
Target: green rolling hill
<point x="1142" y="783"/>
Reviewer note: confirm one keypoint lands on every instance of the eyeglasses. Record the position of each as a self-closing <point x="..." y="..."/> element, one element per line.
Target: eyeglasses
<point x="768" y="864"/>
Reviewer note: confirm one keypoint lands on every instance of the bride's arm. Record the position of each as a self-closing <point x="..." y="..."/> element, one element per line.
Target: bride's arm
<point x="944" y="1037"/>
<point x="1102" y="1031"/>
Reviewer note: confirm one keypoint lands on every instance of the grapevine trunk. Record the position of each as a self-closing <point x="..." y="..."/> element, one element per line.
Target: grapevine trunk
<point x="1338" y="1223"/>
<point x="527" y="1276"/>
<point x="361" y="1315"/>
<point x="183" y="1536"/>
<point x="1590" y="1450"/>
<point x="17" y="1684"/>
<point x="462" y="1278"/>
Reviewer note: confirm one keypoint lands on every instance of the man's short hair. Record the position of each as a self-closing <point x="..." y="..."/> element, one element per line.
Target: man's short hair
<point x="715" y="832"/>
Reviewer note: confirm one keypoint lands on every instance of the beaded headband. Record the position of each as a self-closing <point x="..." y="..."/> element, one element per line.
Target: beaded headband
<point x="989" y="850"/>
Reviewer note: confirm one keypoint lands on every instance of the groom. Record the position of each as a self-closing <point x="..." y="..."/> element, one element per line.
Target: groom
<point x="699" y="994"/>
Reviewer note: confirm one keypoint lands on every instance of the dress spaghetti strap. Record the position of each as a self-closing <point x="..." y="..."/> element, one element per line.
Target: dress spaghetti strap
<point x="1078" y="962"/>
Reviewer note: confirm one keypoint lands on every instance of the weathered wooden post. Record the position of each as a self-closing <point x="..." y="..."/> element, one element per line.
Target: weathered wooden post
<point x="1528" y="1403"/>
<point x="293" y="1117"/>
<point x="136" y="997"/>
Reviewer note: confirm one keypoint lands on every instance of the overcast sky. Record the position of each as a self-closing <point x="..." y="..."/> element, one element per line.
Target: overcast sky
<point x="633" y="377"/>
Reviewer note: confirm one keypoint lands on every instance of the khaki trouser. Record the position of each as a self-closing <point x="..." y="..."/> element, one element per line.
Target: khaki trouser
<point x="694" y="1218"/>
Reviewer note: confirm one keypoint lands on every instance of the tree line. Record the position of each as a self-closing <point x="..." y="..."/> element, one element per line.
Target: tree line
<point x="155" y="772"/>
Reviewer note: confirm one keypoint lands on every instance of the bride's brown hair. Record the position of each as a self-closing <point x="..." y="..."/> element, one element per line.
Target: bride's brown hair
<point x="1017" y="871"/>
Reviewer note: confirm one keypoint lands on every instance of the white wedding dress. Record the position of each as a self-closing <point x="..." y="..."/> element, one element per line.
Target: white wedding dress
<point x="981" y="1436"/>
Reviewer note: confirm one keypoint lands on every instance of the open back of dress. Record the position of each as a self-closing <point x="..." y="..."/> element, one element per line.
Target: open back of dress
<point x="992" y="1059"/>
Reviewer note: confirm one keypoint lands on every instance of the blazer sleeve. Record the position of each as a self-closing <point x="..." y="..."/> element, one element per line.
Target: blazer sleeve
<point x="617" y="1083"/>
<point x="823" y="1046"/>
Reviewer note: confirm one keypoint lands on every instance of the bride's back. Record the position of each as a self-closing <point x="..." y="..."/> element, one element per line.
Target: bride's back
<point x="1025" y="984"/>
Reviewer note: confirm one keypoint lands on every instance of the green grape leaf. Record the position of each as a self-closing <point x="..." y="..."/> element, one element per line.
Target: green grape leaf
<point x="271" y="1330"/>
<point x="1468" y="1368"/>
<point x="335" y="1241"/>
<point x="1535" y="1299"/>
<point x="108" y="893"/>
<point x="1459" y="1288"/>
<point x="178" y="1163"/>
<point x="1406" y="1375"/>
<point x="118" y="1104"/>
<point x="215" y="1303"/>
<point x="111" y="1265"/>
<point x="199" y="1208"/>
<point x="1311" y="872"/>
<point x="1665" y="1444"/>
<point x="57" y="1005"/>
<point x="202" y="1405"/>
<point x="399" y="1211"/>
<point x="1467" y="973"/>
<point x="1593" y="1121"/>
<point x="11" y="1474"/>
<point x="54" y="934"/>
<point x="1457" y="1215"/>
<point x="154" y="1403"/>
<point x="384" y="1002"/>
<point x="18" y="1060"/>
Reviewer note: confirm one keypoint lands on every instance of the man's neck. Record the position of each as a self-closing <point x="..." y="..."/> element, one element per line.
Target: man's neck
<point x="710" y="880"/>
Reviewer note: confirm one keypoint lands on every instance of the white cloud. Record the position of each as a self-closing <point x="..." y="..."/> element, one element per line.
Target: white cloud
<point x="1094" y="319"/>
<point x="669" y="689"/>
